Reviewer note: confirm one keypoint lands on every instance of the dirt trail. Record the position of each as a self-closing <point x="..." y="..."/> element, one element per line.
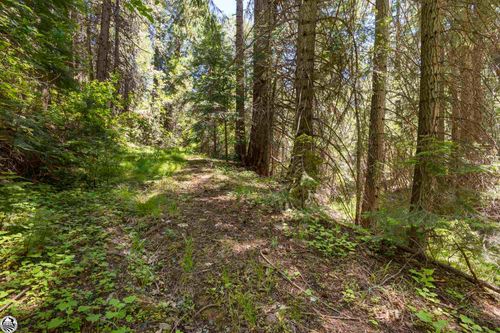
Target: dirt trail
<point x="231" y="266"/>
<point x="227" y="235"/>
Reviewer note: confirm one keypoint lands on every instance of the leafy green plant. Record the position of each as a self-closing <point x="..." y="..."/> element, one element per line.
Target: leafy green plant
<point x="455" y="294"/>
<point x="425" y="278"/>
<point x="470" y="326"/>
<point x="429" y="319"/>
<point x="331" y="242"/>
<point x="139" y="268"/>
<point x="348" y="295"/>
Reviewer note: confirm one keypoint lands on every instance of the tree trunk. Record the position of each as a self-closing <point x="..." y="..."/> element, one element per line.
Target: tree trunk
<point x="116" y="60"/>
<point x="226" y="148"/>
<point x="88" y="40"/>
<point x="304" y="161"/>
<point x="397" y="55"/>
<point x="78" y="46"/>
<point x="478" y="28"/>
<point x="126" y="94"/>
<point x="468" y="103"/>
<point x="259" y="148"/>
<point x="375" y="162"/>
<point x="103" y="44"/>
<point x="240" y="147"/>
<point x="116" y="54"/>
<point x="441" y="131"/>
<point x="214" y="137"/>
<point x="423" y="179"/>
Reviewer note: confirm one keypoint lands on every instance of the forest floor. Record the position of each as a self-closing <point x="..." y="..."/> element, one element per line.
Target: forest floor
<point x="189" y="244"/>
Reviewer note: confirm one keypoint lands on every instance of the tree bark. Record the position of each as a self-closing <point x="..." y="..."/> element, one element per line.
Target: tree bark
<point x="358" y="114"/>
<point x="240" y="147"/>
<point x="214" y="137"/>
<point x="259" y="148"/>
<point x="441" y="130"/>
<point x="116" y="60"/>
<point x="103" y="43"/>
<point x="88" y="40"/>
<point x="375" y="162"/>
<point x="226" y="148"/>
<point x="478" y="28"/>
<point x="304" y="158"/>
<point x="423" y="179"/>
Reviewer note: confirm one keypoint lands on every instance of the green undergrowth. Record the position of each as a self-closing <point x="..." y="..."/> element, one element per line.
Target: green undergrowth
<point x="79" y="259"/>
<point x="266" y="193"/>
<point x="439" y="309"/>
<point x="456" y="230"/>
<point x="437" y="317"/>
<point x="443" y="308"/>
<point x="327" y="238"/>
<point x="243" y="294"/>
<point x="65" y="252"/>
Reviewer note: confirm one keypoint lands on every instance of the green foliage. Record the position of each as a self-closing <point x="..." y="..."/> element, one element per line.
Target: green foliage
<point x="213" y="83"/>
<point x="69" y="141"/>
<point x="471" y="327"/>
<point x="263" y="192"/>
<point x="141" y="8"/>
<point x="432" y="320"/>
<point x="153" y="206"/>
<point x="50" y="127"/>
<point x="428" y="318"/>
<point x="436" y="157"/>
<point x="348" y="295"/>
<point x="271" y="198"/>
<point x="425" y="278"/>
<point x="56" y="244"/>
<point x="330" y="241"/>
<point x="457" y="227"/>
<point x="239" y="300"/>
<point x="138" y="266"/>
<point x="247" y="306"/>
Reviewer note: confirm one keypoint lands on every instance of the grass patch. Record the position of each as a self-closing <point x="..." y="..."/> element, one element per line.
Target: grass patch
<point x="187" y="259"/>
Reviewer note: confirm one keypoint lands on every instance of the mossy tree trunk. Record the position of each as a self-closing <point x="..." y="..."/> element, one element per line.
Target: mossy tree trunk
<point x="305" y="161"/>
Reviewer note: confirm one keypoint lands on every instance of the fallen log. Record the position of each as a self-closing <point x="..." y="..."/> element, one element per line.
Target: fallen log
<point x="440" y="264"/>
<point x="452" y="269"/>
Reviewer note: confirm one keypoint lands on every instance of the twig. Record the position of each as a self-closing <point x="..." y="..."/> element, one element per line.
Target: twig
<point x="394" y="275"/>
<point x="195" y="315"/>
<point x="302" y="290"/>
<point x="468" y="263"/>
<point x="6" y="306"/>
<point x="334" y="317"/>
<point x="454" y="270"/>
<point x="282" y="274"/>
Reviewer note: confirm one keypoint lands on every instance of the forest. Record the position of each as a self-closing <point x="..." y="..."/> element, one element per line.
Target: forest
<point x="170" y="166"/>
